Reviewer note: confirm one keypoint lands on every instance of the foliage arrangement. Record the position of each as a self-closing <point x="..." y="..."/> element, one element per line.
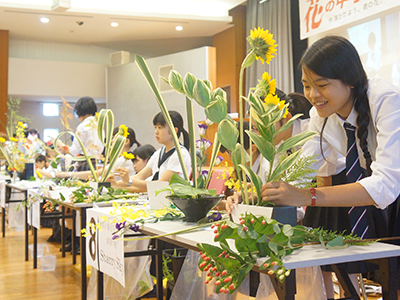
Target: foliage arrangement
<point x="113" y="145"/>
<point x="10" y="149"/>
<point x="259" y="239"/>
<point x="13" y="117"/>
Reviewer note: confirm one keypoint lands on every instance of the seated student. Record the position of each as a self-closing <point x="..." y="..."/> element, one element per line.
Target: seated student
<point x="121" y="161"/>
<point x="142" y="155"/>
<point x="164" y="162"/>
<point x="40" y="167"/>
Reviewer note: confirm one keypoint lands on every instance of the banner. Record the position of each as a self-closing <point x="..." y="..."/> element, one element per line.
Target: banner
<point x="102" y="252"/>
<point x="317" y="16"/>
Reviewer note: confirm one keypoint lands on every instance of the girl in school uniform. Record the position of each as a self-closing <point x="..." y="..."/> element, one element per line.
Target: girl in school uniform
<point x="348" y="108"/>
<point x="164" y="162"/>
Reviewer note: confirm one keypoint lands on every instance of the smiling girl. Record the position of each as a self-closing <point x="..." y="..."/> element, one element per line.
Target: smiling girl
<point x="164" y="162"/>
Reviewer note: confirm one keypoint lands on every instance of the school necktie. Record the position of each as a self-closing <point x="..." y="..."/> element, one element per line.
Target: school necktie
<point x="354" y="172"/>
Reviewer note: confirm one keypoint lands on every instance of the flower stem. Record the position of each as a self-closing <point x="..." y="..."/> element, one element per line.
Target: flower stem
<point x="192" y="139"/>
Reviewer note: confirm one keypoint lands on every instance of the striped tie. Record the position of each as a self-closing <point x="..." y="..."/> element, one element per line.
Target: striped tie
<point x="354" y="172"/>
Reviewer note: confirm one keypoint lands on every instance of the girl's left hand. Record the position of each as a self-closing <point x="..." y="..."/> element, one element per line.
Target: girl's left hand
<point x="123" y="173"/>
<point x="282" y="193"/>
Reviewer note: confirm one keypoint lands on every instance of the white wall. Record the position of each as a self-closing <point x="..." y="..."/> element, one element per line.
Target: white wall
<point x="133" y="103"/>
<point x="32" y="77"/>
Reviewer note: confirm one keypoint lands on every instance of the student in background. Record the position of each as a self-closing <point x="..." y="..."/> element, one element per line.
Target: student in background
<point x="164" y="162"/>
<point x="85" y="108"/>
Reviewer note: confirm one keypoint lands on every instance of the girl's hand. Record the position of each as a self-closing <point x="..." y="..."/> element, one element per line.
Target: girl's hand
<point x="123" y="173"/>
<point x="282" y="193"/>
<point x="231" y="201"/>
<point x="111" y="179"/>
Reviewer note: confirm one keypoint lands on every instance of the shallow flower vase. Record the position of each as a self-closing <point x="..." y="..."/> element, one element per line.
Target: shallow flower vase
<point x="282" y="214"/>
<point x="95" y="185"/>
<point x="196" y="209"/>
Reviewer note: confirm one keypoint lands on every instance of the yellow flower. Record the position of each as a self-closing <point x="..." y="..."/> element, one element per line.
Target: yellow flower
<point x="38" y="174"/>
<point x="272" y="99"/>
<point x="97" y="115"/>
<point x="123" y="130"/>
<point x="262" y="44"/>
<point x="265" y="86"/>
<point x="2" y="140"/>
<point x="127" y="155"/>
<point x="20" y="124"/>
<point x="13" y="139"/>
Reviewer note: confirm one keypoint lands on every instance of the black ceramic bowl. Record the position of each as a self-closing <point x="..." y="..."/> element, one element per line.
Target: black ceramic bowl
<point x="196" y="209"/>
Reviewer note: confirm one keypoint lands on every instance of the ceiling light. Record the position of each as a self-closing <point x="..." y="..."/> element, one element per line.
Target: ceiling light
<point x="179" y="28"/>
<point x="114" y="24"/>
<point x="44" y="20"/>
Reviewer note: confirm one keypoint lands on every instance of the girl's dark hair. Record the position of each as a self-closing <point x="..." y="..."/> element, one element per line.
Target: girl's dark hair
<point x="178" y="123"/>
<point x="144" y="152"/>
<point x="85" y="106"/>
<point x="334" y="57"/>
<point x="131" y="136"/>
<point x="298" y="104"/>
<point x="40" y="158"/>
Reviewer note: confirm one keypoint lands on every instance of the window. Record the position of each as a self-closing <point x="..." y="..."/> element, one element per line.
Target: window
<point x="50" y="109"/>
<point x="49" y="133"/>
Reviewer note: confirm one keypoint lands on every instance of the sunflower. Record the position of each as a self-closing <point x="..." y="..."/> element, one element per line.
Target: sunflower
<point x="274" y="100"/>
<point x="128" y="155"/>
<point x="265" y="86"/>
<point x="2" y="140"/>
<point x="123" y="130"/>
<point x="262" y="44"/>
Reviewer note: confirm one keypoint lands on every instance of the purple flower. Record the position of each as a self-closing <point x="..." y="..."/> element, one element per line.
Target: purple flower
<point x="215" y="216"/>
<point x="218" y="160"/>
<point x="115" y="236"/>
<point x="120" y="226"/>
<point x="134" y="227"/>
<point x="202" y="129"/>
<point x="204" y="172"/>
<point x="203" y="144"/>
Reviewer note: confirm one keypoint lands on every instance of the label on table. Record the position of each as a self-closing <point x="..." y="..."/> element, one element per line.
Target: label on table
<point x="102" y="252"/>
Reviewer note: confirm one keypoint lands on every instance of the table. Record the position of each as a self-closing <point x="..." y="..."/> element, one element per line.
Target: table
<point x="308" y="256"/>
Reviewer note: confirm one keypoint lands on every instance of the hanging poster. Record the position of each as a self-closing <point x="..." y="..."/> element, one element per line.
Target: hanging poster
<point x="317" y="16"/>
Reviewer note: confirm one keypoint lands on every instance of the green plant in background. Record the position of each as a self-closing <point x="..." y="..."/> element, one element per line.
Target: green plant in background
<point x="13" y="117"/>
<point x="113" y="145"/>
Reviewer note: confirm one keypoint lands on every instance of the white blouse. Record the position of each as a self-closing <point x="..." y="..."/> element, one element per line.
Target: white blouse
<point x="171" y="163"/>
<point x="383" y="142"/>
<point x="87" y="132"/>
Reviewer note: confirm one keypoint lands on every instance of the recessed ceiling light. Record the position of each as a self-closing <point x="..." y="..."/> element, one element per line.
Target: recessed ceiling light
<point x="114" y="24"/>
<point x="179" y="28"/>
<point x="44" y="20"/>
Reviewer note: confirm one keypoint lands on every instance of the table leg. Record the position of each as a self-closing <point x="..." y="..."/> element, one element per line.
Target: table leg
<point x="345" y="282"/>
<point x="3" y="221"/>
<point x="83" y="254"/>
<point x="388" y="269"/>
<point x="26" y="235"/>
<point x="100" y="285"/>
<point x="73" y="244"/>
<point x="62" y="231"/>
<point x="34" y="229"/>
<point x="159" y="275"/>
<point x="285" y="290"/>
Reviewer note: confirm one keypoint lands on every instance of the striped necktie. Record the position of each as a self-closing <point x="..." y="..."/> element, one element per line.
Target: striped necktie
<point x="354" y="172"/>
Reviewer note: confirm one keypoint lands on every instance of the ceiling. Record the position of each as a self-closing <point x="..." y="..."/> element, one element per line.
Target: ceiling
<point x="145" y="27"/>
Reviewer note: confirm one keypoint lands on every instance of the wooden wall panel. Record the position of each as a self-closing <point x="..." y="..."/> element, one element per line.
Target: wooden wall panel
<point x="4" y="40"/>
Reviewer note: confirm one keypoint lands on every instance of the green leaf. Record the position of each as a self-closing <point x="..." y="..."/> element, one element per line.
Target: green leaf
<point x="185" y="191"/>
<point x="175" y="81"/>
<point x="336" y="243"/>
<point x="266" y="148"/>
<point x="227" y="134"/>
<point x="188" y="84"/>
<point x="218" y="92"/>
<point x="296" y="141"/>
<point x="208" y="83"/>
<point x="217" y="110"/>
<point x="276" y="227"/>
<point x="284" y="165"/>
<point x="287" y="230"/>
<point x="255" y="179"/>
<point x="274" y="247"/>
<point x="175" y="178"/>
<point x="237" y="156"/>
<point x="201" y="93"/>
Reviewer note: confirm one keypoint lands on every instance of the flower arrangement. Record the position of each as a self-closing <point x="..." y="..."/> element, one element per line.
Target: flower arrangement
<point x="113" y="145"/>
<point x="10" y="149"/>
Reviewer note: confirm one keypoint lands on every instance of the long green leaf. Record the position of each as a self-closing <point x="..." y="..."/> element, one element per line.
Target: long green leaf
<point x="284" y="165"/>
<point x="214" y="153"/>
<point x="266" y="148"/>
<point x="192" y="139"/>
<point x="296" y="141"/>
<point x="117" y="148"/>
<point x="255" y="179"/>
<point x="140" y="62"/>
